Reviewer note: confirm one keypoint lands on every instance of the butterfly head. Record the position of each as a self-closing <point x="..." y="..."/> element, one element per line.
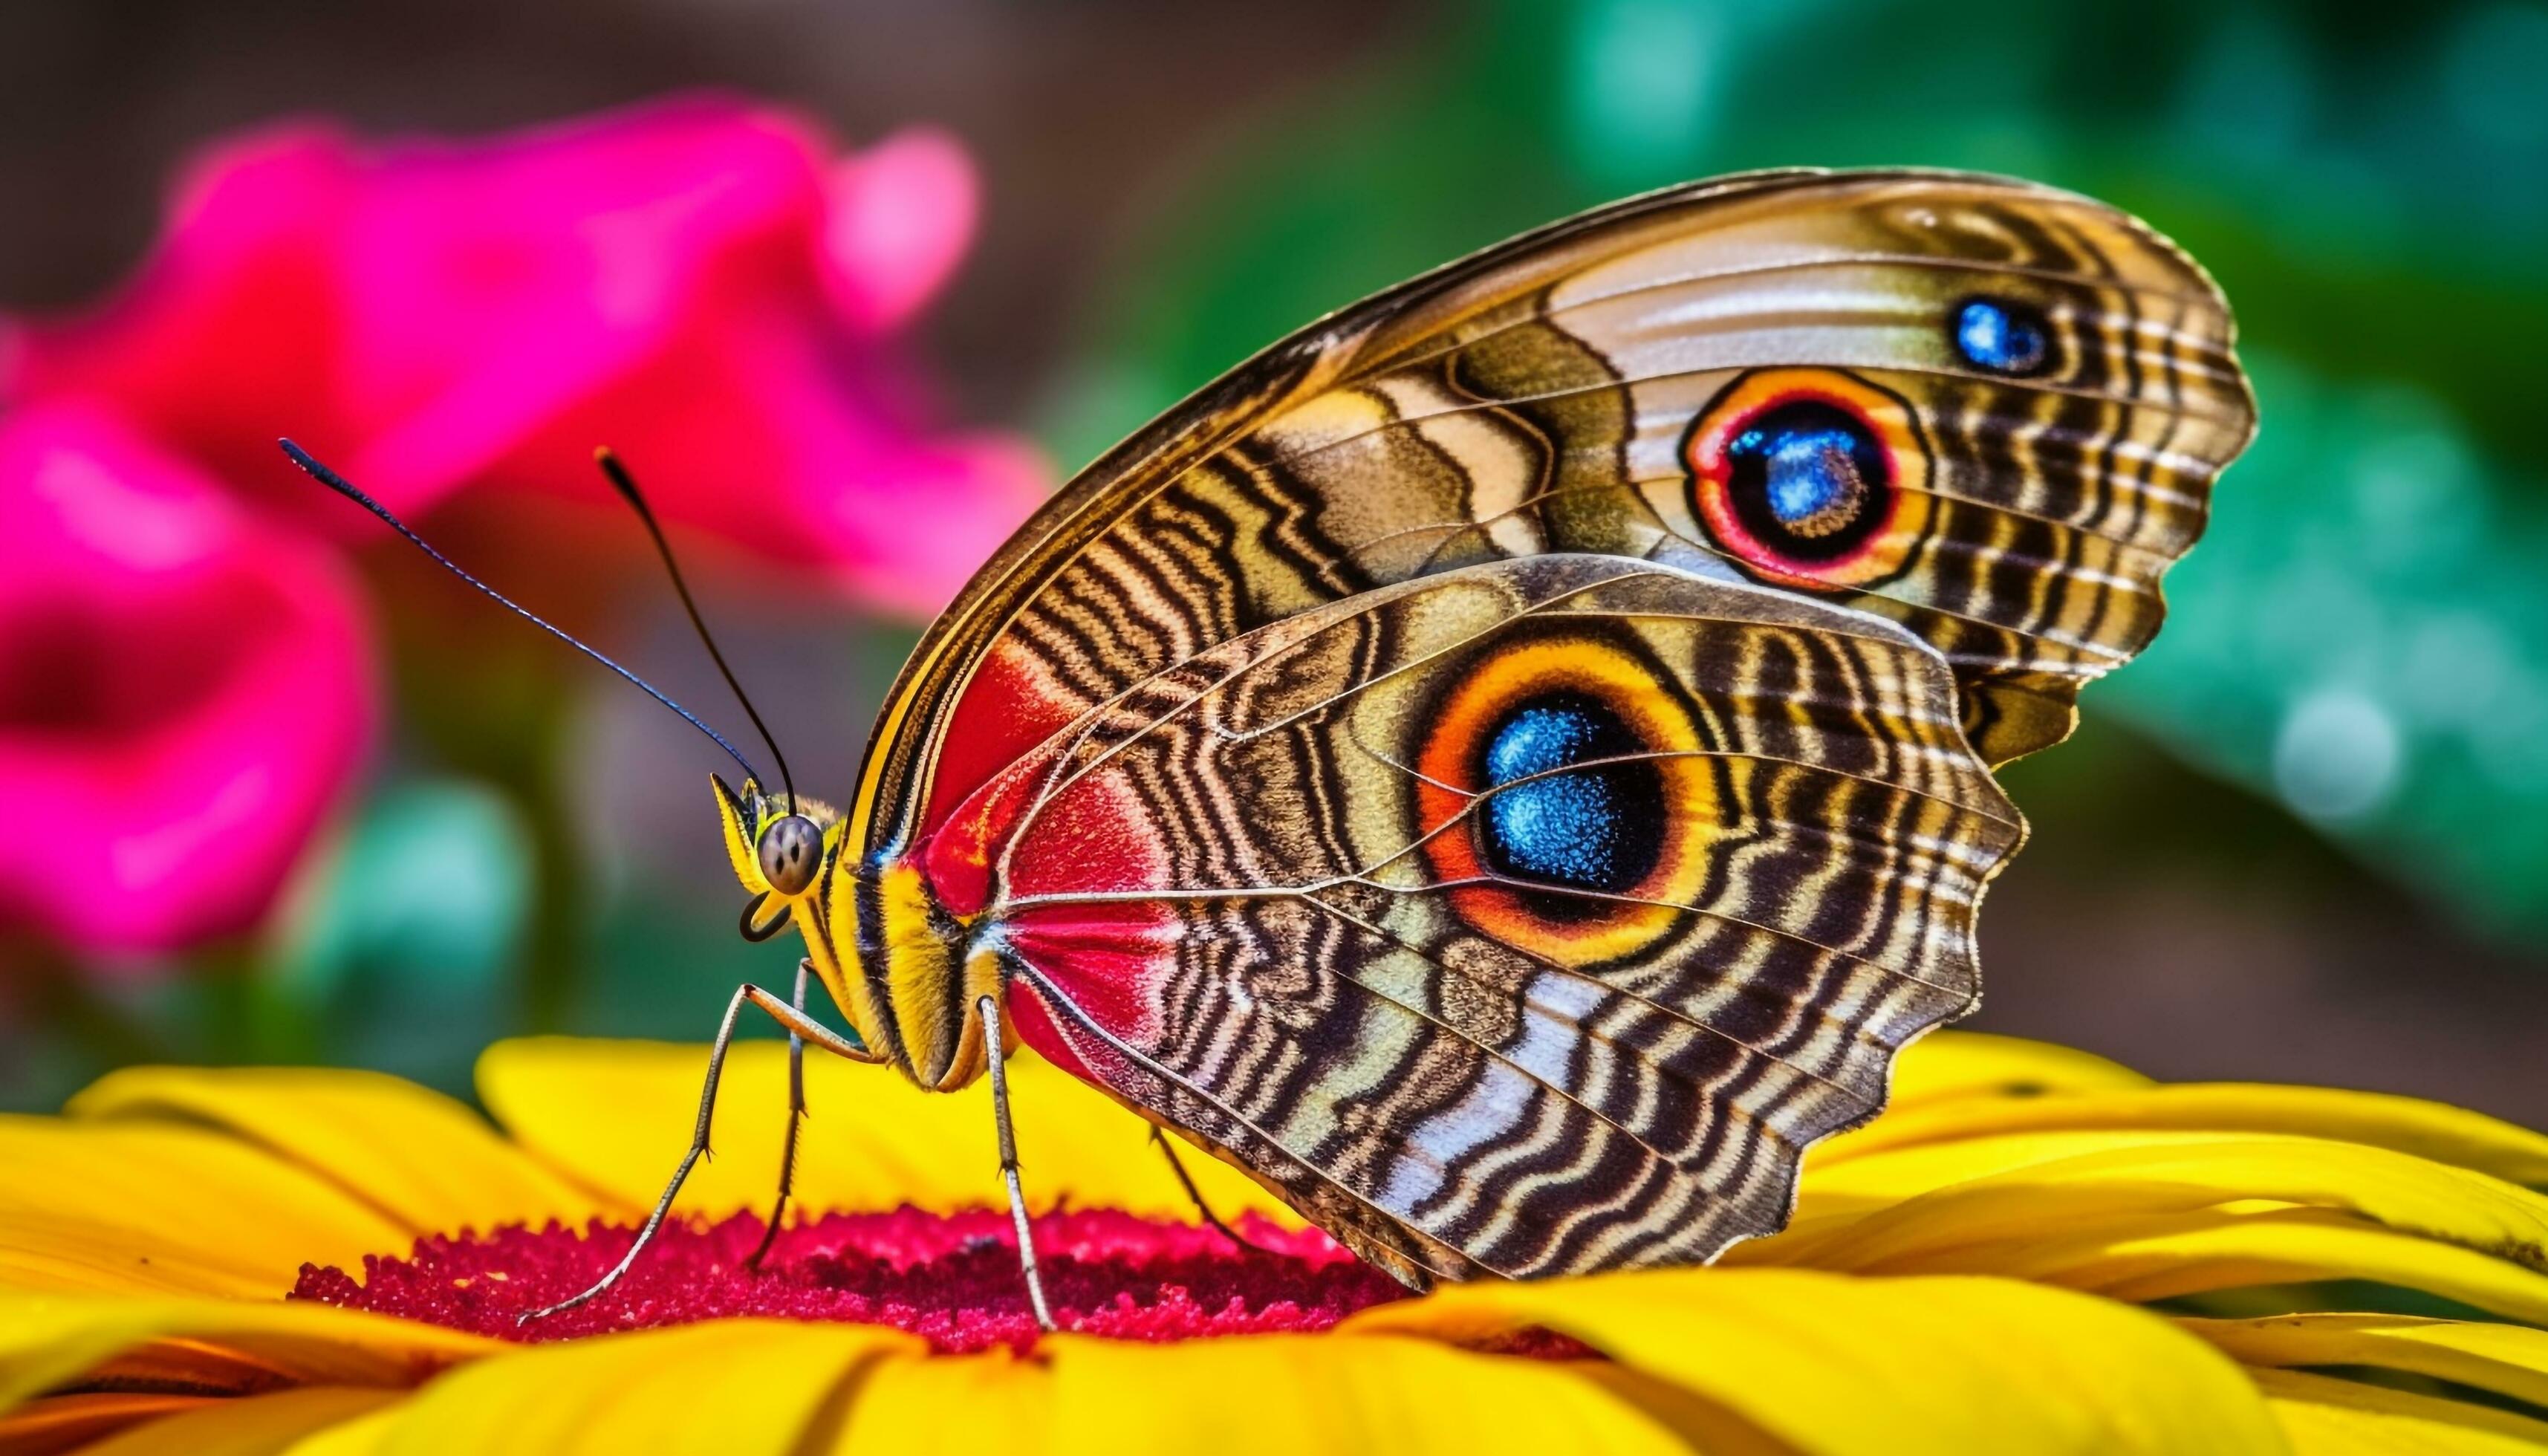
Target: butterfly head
<point x="899" y="966"/>
<point x="778" y="851"/>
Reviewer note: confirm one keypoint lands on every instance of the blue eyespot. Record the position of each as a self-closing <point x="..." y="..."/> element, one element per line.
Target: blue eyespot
<point x="2004" y="338"/>
<point x="1808" y="480"/>
<point x="1599" y="829"/>
<point x="1808" y="476"/>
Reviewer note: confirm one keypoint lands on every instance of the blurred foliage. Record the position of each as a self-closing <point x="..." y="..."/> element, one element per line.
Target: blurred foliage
<point x="2363" y="640"/>
<point x="400" y="954"/>
<point x="2364" y="634"/>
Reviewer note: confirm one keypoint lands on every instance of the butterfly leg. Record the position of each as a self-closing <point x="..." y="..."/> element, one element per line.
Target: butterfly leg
<point x="799" y="1025"/>
<point x="989" y="1007"/>
<point x="795" y="1123"/>
<point x="1194" y="1195"/>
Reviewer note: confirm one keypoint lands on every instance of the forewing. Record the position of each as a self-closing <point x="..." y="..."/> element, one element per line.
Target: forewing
<point x="1529" y="918"/>
<point x="1987" y="410"/>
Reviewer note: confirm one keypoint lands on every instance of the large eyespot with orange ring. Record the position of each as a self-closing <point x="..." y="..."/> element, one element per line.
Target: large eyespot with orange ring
<point x="1809" y="478"/>
<point x="1567" y="798"/>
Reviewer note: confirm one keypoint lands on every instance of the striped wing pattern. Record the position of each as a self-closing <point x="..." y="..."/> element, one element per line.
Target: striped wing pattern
<point x="2052" y="487"/>
<point x="1547" y="395"/>
<point x="1881" y="468"/>
<point x="1294" y="963"/>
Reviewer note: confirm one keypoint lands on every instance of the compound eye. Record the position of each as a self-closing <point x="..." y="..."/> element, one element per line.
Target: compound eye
<point x="791" y="851"/>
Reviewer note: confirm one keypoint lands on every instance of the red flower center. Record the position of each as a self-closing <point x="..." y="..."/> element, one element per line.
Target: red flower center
<point x="951" y="1278"/>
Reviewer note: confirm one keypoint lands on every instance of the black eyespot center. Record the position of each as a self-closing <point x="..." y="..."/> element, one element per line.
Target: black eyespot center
<point x="2003" y="336"/>
<point x="1810" y="480"/>
<point x="791" y="852"/>
<point x="1597" y="829"/>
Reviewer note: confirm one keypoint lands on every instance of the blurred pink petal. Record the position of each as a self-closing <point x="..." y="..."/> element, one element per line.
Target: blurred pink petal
<point x="183" y="691"/>
<point x="427" y="315"/>
<point x="795" y="474"/>
<point x="492" y="285"/>
<point x="901" y="214"/>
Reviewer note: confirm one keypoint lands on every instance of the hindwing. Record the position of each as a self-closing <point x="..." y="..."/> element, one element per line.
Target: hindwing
<point x="1529" y="918"/>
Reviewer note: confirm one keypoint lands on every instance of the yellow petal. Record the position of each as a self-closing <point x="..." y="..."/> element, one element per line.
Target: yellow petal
<point x="2202" y="1254"/>
<point x="2508" y="1359"/>
<point x="1951" y="1066"/>
<point x="735" y="1387"/>
<point x="1704" y="1425"/>
<point x="1886" y="1175"/>
<point x="2112" y="1188"/>
<point x="1837" y="1365"/>
<point x="617" y="1115"/>
<point x="49" y="1341"/>
<point x="150" y="1209"/>
<point x="1850" y="1188"/>
<point x="419" y="1157"/>
<point x="1300" y="1395"/>
<point x="2328" y="1431"/>
<point x="253" y="1425"/>
<point x="988" y="1404"/>
<point x="67" y="1423"/>
<point x="2328" y="1416"/>
<point x="364" y="1435"/>
<point x="2430" y="1130"/>
<point x="1287" y="1395"/>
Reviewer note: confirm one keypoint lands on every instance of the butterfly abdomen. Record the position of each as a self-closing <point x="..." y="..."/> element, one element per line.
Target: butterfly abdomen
<point x="916" y="976"/>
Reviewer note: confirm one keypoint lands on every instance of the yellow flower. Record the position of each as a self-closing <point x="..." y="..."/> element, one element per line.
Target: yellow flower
<point x="2032" y="1250"/>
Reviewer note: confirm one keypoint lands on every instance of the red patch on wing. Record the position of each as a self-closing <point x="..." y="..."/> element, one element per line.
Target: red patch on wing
<point x="959" y="854"/>
<point x="1006" y="711"/>
<point x="1035" y="1023"/>
<point x="1901" y="495"/>
<point x="1110" y="960"/>
<point x="1070" y="846"/>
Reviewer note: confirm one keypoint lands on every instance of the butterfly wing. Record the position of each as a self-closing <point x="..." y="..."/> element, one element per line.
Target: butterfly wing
<point x="1527" y="918"/>
<point x="1987" y="410"/>
<point x="1825" y="492"/>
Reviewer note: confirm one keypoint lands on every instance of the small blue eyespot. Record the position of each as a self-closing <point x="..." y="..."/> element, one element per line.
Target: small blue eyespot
<point x="2004" y="338"/>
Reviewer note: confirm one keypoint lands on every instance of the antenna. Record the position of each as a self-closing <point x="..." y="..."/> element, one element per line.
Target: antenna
<point x="342" y="487"/>
<point x="626" y="485"/>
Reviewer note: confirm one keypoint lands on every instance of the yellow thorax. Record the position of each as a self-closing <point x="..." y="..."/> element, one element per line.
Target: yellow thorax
<point x="902" y="974"/>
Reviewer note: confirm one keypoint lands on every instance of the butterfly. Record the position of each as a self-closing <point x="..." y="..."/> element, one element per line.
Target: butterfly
<point x="1510" y="765"/>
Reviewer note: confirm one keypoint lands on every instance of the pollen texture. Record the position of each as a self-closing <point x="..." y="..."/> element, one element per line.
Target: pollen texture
<point x="950" y="1278"/>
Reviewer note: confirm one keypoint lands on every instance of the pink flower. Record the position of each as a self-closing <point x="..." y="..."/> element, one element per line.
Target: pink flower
<point x="706" y="286"/>
<point x="183" y="691"/>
